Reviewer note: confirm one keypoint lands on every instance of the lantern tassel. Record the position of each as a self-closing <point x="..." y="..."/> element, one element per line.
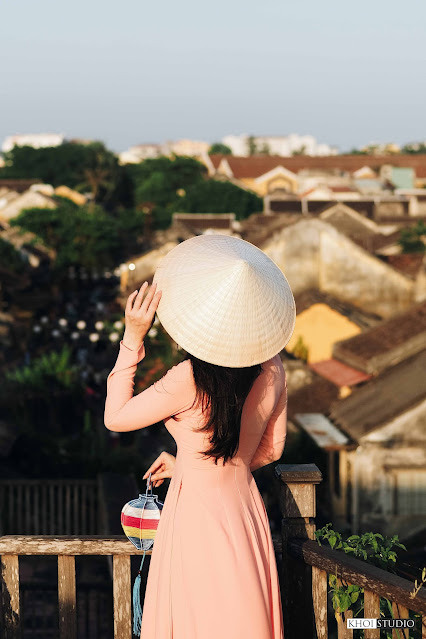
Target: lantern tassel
<point x="137" y="608"/>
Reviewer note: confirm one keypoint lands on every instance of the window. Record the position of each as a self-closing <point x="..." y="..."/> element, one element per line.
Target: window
<point x="336" y="470"/>
<point x="410" y="491"/>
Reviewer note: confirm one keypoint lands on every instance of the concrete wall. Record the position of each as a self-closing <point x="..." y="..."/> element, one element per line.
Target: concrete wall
<point x="312" y="253"/>
<point x="401" y="442"/>
<point x="320" y="327"/>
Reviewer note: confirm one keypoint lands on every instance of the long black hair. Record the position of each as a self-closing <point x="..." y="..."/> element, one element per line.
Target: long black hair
<point x="223" y="390"/>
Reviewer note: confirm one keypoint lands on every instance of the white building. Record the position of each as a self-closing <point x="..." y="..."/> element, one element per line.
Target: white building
<point x="193" y="148"/>
<point x="278" y="145"/>
<point x="36" y="140"/>
<point x="141" y="152"/>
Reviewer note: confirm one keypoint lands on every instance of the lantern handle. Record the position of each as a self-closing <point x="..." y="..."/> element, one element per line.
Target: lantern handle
<point x="148" y="484"/>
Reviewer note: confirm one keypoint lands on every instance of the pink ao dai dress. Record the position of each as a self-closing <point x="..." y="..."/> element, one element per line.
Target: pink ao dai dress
<point x="212" y="571"/>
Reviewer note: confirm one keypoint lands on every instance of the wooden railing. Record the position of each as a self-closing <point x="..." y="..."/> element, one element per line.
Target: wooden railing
<point x="66" y="549"/>
<point x="306" y="566"/>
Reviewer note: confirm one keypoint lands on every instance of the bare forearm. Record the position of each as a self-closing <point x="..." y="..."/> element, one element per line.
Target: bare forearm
<point x="260" y="464"/>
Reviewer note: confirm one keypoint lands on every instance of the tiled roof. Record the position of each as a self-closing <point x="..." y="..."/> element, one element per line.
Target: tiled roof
<point x="357" y="227"/>
<point x="382" y="398"/>
<point x="389" y="342"/>
<point x="18" y="185"/>
<point x="205" y="220"/>
<point x="258" y="227"/>
<point x="316" y="397"/>
<point x="342" y="189"/>
<point x="256" y="165"/>
<point x="407" y="263"/>
<point x="312" y="296"/>
<point x="339" y="373"/>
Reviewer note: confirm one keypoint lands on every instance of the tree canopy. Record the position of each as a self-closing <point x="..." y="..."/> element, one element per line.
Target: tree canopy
<point x="84" y="167"/>
<point x="413" y="238"/>
<point x="218" y="147"/>
<point x="213" y="196"/>
<point x="82" y="236"/>
<point x="158" y="179"/>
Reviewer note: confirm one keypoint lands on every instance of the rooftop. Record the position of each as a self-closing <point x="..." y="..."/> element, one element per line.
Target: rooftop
<point x="382" y="398"/>
<point x="387" y="343"/>
<point x="256" y="165"/>
<point x="312" y="296"/>
<point x="339" y="373"/>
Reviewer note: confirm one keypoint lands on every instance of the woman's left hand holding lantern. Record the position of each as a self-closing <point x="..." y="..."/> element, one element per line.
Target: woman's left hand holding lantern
<point x="162" y="468"/>
<point x="139" y="315"/>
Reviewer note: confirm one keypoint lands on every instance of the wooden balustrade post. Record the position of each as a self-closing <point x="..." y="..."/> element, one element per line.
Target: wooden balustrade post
<point x="10" y="597"/>
<point x="299" y="593"/>
<point x="67" y="597"/>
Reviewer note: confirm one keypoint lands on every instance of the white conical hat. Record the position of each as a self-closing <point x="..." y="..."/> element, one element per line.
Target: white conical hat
<point x="224" y="301"/>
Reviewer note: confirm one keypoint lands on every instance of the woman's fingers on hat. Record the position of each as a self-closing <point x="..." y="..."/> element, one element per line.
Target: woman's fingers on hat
<point x="153" y="306"/>
<point x="148" y="299"/>
<point x="138" y="299"/>
<point x="129" y="303"/>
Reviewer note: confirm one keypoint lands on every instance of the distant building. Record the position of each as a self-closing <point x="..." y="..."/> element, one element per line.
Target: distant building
<point x="193" y="148"/>
<point x="36" y="140"/>
<point x="400" y="177"/>
<point x="71" y="194"/>
<point x="378" y="476"/>
<point x="141" y="152"/>
<point x="277" y="145"/>
<point x="10" y="207"/>
<point x="200" y="223"/>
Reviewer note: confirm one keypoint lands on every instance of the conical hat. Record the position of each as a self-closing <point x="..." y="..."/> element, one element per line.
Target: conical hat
<point x="224" y="301"/>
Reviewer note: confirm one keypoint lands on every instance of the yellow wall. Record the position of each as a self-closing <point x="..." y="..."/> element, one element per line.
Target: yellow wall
<point x="320" y="327"/>
<point x="267" y="186"/>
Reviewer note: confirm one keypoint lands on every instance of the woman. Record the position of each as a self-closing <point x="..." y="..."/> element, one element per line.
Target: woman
<point x="213" y="570"/>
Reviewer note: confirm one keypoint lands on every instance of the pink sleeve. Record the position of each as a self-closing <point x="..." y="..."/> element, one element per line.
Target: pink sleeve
<point x="272" y="443"/>
<point x="166" y="397"/>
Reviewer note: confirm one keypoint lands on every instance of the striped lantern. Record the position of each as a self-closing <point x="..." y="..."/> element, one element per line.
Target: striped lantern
<point x="139" y="519"/>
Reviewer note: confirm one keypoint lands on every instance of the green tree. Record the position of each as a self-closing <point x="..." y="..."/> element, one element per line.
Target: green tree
<point x="213" y="196"/>
<point x="301" y="151"/>
<point x="413" y="239"/>
<point x="83" y="236"/>
<point x="85" y="167"/>
<point x="355" y="151"/>
<point x="100" y="173"/>
<point x="251" y="145"/>
<point x="161" y="181"/>
<point x="218" y="147"/>
<point x="179" y="172"/>
<point x="265" y="149"/>
<point x="10" y="258"/>
<point x="414" y="148"/>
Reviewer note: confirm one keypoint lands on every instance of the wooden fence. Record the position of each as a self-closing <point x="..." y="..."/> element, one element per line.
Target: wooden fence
<point x="49" y="507"/>
<point x="305" y="568"/>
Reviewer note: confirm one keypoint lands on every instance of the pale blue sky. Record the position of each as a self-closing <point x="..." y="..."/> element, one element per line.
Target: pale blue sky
<point x="136" y="71"/>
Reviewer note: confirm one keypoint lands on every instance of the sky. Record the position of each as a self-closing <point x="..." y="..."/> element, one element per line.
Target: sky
<point x="134" y="71"/>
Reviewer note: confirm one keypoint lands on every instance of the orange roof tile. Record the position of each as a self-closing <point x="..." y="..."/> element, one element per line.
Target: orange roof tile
<point x="339" y="373"/>
<point x="256" y="165"/>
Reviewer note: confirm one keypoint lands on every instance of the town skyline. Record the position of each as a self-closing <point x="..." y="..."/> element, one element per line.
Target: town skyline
<point x="224" y="139"/>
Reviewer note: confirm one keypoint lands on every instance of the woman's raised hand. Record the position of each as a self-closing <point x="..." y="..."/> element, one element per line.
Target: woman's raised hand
<point x="139" y="315"/>
<point x="161" y="469"/>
